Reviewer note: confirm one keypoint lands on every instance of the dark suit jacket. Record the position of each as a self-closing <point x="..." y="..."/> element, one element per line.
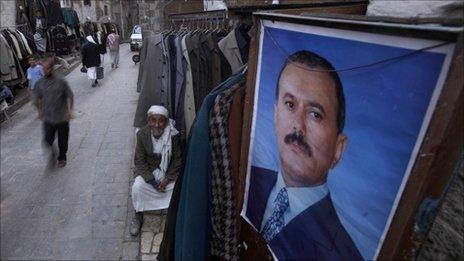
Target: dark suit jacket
<point x="146" y="161"/>
<point x="314" y="234"/>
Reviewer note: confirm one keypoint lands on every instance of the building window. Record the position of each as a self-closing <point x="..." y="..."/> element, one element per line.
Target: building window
<point x="105" y="9"/>
<point x="87" y="2"/>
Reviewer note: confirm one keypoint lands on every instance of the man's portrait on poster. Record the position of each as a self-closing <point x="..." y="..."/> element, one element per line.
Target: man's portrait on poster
<point x="336" y="113"/>
<point x="309" y="117"/>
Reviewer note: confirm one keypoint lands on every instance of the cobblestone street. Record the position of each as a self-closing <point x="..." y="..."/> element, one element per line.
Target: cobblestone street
<point x="81" y="211"/>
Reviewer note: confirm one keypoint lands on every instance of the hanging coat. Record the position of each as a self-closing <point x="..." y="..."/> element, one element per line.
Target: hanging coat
<point x="152" y="90"/>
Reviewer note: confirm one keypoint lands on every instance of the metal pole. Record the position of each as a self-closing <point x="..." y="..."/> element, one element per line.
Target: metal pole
<point x="122" y="19"/>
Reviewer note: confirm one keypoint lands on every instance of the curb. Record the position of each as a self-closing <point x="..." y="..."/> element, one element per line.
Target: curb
<point x="20" y="100"/>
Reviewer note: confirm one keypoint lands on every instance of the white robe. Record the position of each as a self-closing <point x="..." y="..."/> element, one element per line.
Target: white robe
<point x="145" y="197"/>
<point x="91" y="71"/>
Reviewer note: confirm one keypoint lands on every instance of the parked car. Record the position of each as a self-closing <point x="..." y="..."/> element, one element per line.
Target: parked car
<point x="136" y="38"/>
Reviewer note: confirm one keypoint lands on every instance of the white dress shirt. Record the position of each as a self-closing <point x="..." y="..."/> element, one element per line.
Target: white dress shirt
<point x="299" y="198"/>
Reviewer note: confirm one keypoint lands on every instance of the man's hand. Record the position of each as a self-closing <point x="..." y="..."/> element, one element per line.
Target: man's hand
<point x="69" y="115"/>
<point x="162" y="185"/>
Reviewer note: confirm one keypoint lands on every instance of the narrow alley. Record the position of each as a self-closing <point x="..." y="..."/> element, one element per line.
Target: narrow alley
<point x="78" y="212"/>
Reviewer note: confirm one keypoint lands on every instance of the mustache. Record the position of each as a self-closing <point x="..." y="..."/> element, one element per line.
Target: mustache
<point x="299" y="140"/>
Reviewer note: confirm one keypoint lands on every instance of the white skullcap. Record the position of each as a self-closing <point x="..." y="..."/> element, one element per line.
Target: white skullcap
<point x="158" y="109"/>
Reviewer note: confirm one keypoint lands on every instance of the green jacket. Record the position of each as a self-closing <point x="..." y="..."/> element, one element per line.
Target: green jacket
<point x="146" y="161"/>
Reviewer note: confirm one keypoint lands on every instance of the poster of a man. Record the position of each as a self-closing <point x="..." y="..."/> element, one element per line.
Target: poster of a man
<point x="309" y="117"/>
<point x="326" y="129"/>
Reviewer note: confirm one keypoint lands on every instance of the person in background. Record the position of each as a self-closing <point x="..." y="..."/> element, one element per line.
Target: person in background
<point x="40" y="30"/>
<point x="40" y="23"/>
<point x="5" y="94"/>
<point x="158" y="161"/>
<point x="88" y="26"/>
<point x="55" y="101"/>
<point x="101" y="41"/>
<point x="113" y="46"/>
<point x="90" y="53"/>
<point x="34" y="73"/>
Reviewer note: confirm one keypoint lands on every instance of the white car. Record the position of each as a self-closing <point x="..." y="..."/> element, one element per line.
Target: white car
<point x="136" y="38"/>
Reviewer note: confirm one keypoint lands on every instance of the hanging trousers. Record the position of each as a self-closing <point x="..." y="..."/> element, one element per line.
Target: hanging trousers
<point x="63" y="134"/>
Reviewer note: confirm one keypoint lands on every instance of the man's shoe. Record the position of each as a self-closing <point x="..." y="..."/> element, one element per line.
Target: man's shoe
<point x="136" y="224"/>
<point x="61" y="163"/>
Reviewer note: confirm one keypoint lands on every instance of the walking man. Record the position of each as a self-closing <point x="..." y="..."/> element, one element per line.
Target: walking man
<point x="113" y="45"/>
<point x="91" y="58"/>
<point x="55" y="105"/>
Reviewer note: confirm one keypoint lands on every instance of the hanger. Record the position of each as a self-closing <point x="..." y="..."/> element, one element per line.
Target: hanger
<point x="197" y="26"/>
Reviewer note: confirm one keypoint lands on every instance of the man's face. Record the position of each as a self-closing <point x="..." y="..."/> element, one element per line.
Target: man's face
<point x="47" y="67"/>
<point x="157" y="123"/>
<point x="32" y="62"/>
<point x="305" y="116"/>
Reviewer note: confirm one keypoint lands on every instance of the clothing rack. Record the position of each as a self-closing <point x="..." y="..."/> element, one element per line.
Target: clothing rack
<point x="207" y="17"/>
<point x="13" y="26"/>
<point x="216" y="15"/>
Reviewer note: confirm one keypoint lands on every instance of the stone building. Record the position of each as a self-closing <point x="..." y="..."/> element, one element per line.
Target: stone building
<point x="125" y="13"/>
<point x="96" y="10"/>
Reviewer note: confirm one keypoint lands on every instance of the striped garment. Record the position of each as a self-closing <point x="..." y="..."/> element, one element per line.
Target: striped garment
<point x="111" y="40"/>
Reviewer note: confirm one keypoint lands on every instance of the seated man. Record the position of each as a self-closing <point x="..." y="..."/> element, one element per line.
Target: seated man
<point x="158" y="160"/>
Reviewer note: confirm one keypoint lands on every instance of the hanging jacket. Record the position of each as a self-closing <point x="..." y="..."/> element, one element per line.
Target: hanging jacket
<point x="193" y="225"/>
<point x="54" y="14"/>
<point x="7" y="62"/>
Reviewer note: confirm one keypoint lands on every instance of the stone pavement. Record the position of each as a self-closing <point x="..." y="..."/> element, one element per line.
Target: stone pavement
<point x="152" y="234"/>
<point x="79" y="212"/>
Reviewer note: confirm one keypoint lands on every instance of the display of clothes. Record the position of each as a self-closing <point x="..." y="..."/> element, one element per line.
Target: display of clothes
<point x="178" y="69"/>
<point x="201" y="221"/>
<point x="70" y="17"/>
<point x="54" y="14"/>
<point x="71" y="25"/>
<point x="23" y="22"/>
<point x="53" y="30"/>
<point x="189" y="72"/>
<point x="31" y="7"/>
<point x="15" y="50"/>
<point x="59" y="42"/>
<point x="235" y="46"/>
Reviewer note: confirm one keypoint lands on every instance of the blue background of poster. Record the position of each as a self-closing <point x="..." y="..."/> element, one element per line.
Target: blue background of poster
<point x="385" y="108"/>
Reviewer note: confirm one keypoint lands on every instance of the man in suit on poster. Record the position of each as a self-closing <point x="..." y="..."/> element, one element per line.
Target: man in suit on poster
<point x="292" y="208"/>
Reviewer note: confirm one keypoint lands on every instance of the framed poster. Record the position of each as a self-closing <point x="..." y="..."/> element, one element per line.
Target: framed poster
<point x="338" y="119"/>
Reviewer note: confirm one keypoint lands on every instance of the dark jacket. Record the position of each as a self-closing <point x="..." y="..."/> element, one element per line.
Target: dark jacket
<point x="146" y="161"/>
<point x="90" y="54"/>
<point x="103" y="43"/>
<point x="314" y="234"/>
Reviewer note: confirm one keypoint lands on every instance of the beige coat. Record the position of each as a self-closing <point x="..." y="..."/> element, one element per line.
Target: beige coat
<point x="231" y="51"/>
